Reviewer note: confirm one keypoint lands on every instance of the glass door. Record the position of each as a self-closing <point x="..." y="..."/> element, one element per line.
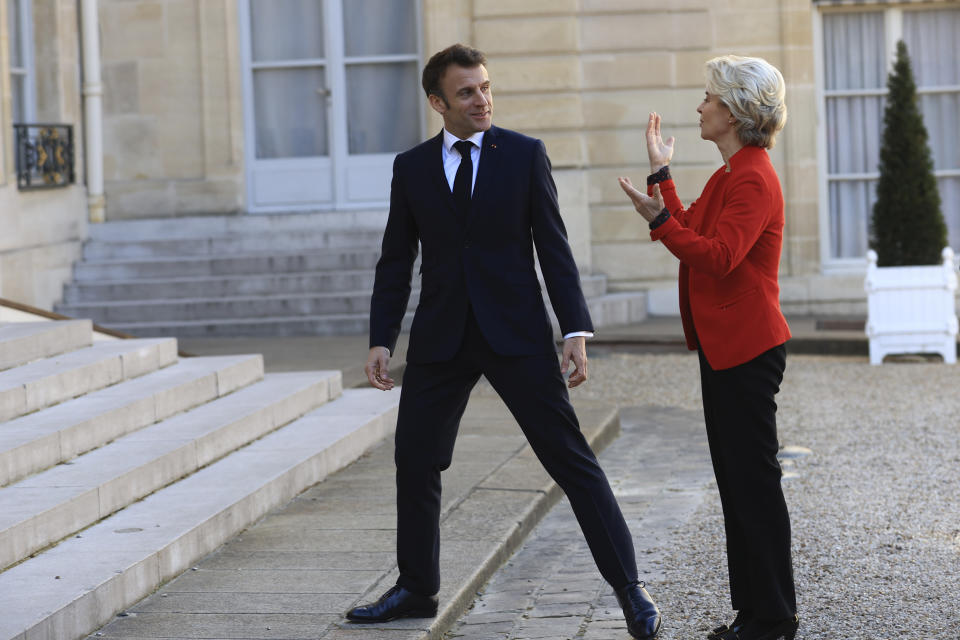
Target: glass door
<point x="331" y="95"/>
<point x="381" y="68"/>
<point x="286" y="104"/>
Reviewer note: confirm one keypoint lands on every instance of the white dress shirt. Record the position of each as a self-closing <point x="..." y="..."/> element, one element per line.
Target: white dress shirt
<point x="451" y="157"/>
<point x="451" y="162"/>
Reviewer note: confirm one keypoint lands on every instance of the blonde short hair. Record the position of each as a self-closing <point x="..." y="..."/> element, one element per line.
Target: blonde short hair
<point x="753" y="90"/>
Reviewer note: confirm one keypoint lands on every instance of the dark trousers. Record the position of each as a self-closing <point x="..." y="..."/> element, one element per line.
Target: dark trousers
<point x="432" y="401"/>
<point x="740" y="413"/>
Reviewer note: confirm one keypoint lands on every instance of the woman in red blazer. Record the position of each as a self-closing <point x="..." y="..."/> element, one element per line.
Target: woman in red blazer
<point x="728" y="242"/>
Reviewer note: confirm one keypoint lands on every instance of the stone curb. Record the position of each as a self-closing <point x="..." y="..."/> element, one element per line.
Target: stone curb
<point x="542" y="500"/>
<point x="600" y="424"/>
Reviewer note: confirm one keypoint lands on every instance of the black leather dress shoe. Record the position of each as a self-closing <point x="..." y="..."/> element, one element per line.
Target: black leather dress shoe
<point x="397" y="602"/>
<point x="643" y="617"/>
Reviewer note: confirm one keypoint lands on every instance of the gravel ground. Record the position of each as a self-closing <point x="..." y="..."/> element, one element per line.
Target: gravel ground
<point x="875" y="507"/>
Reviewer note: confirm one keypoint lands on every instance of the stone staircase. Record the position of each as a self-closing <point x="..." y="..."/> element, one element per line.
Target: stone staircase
<point x="277" y="275"/>
<point x="121" y="465"/>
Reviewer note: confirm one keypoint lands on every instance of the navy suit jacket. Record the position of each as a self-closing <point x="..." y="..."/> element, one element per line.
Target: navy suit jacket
<point x="485" y="261"/>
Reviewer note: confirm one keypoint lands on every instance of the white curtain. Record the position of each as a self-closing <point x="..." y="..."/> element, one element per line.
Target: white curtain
<point x="290" y="103"/>
<point x="382" y="107"/>
<point x="854" y="60"/>
<point x="286" y="29"/>
<point x="383" y="96"/>
<point x="379" y="27"/>
<point x="291" y="114"/>
<point x="17" y="71"/>
<point x="933" y="40"/>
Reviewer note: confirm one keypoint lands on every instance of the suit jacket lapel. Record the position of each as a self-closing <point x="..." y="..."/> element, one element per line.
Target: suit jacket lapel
<point x="486" y="172"/>
<point x="434" y="164"/>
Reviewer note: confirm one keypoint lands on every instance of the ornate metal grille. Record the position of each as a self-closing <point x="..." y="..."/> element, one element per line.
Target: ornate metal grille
<point x="44" y="155"/>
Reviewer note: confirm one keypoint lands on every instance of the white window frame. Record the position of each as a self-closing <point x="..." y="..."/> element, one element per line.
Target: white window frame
<point x="27" y="71"/>
<point x="346" y="166"/>
<point x="893" y="31"/>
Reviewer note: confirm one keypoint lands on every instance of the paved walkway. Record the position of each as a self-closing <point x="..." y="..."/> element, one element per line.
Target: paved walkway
<point x="660" y="470"/>
<point x="293" y="574"/>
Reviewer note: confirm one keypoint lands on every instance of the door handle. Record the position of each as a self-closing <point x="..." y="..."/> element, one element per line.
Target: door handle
<point x="323" y="92"/>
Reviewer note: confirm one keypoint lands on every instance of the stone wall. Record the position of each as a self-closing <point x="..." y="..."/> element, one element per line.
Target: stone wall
<point x="173" y="126"/>
<point x="583" y="75"/>
<point x="42" y="231"/>
<point x="580" y="74"/>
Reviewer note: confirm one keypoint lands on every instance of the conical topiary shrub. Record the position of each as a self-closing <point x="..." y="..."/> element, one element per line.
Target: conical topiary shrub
<point x="907" y="227"/>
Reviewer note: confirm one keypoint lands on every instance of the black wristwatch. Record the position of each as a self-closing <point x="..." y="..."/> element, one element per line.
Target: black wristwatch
<point x="660" y="219"/>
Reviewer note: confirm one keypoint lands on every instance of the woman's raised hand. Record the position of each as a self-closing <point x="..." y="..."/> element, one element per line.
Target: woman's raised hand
<point x="660" y="152"/>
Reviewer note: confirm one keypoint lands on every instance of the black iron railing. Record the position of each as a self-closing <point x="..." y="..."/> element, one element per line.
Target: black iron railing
<point x="44" y="155"/>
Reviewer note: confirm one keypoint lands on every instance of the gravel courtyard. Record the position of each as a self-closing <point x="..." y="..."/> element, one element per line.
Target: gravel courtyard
<point x="875" y="506"/>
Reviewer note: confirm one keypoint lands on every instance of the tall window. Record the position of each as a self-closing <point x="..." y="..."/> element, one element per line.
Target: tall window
<point x="331" y="95"/>
<point x="383" y="76"/>
<point x="857" y="52"/>
<point x="20" y="24"/>
<point x="298" y="52"/>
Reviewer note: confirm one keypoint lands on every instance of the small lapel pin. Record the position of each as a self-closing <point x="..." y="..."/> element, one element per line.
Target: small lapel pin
<point x="493" y="146"/>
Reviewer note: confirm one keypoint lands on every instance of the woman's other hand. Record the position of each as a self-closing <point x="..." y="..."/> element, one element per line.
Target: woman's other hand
<point x="660" y="152"/>
<point x="646" y="206"/>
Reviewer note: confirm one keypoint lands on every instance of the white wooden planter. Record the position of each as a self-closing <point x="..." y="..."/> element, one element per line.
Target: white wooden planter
<point x="912" y="309"/>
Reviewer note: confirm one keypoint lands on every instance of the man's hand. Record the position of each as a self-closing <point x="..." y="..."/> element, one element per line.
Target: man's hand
<point x="575" y="349"/>
<point x="377" y="368"/>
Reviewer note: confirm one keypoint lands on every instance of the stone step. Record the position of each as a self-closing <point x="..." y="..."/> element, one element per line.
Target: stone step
<point x="615" y="309"/>
<point x="251" y="263"/>
<point x="23" y="342"/>
<point x="38" y="441"/>
<point x="326" y="325"/>
<point x="221" y="225"/>
<point x="73" y="588"/>
<point x="191" y="309"/>
<point x="303" y="240"/>
<point x="53" y="504"/>
<point x="218" y="286"/>
<point x="46" y="382"/>
<point x="245" y="285"/>
<point x="607" y="310"/>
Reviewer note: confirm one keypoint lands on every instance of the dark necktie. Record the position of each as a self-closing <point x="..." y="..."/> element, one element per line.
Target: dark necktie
<point x="463" y="181"/>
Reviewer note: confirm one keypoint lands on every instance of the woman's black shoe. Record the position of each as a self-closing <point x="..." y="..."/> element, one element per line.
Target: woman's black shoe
<point x="764" y="630"/>
<point x="736" y="625"/>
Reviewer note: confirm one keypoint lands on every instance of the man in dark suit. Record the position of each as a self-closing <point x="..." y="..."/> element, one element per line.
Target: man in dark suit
<point x="477" y="199"/>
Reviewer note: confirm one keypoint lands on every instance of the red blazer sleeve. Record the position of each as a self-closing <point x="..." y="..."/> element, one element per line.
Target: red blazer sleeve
<point x="672" y="201"/>
<point x="741" y="221"/>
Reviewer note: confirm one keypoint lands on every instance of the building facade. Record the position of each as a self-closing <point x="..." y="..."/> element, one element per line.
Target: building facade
<point x="43" y="215"/>
<point x="259" y="106"/>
